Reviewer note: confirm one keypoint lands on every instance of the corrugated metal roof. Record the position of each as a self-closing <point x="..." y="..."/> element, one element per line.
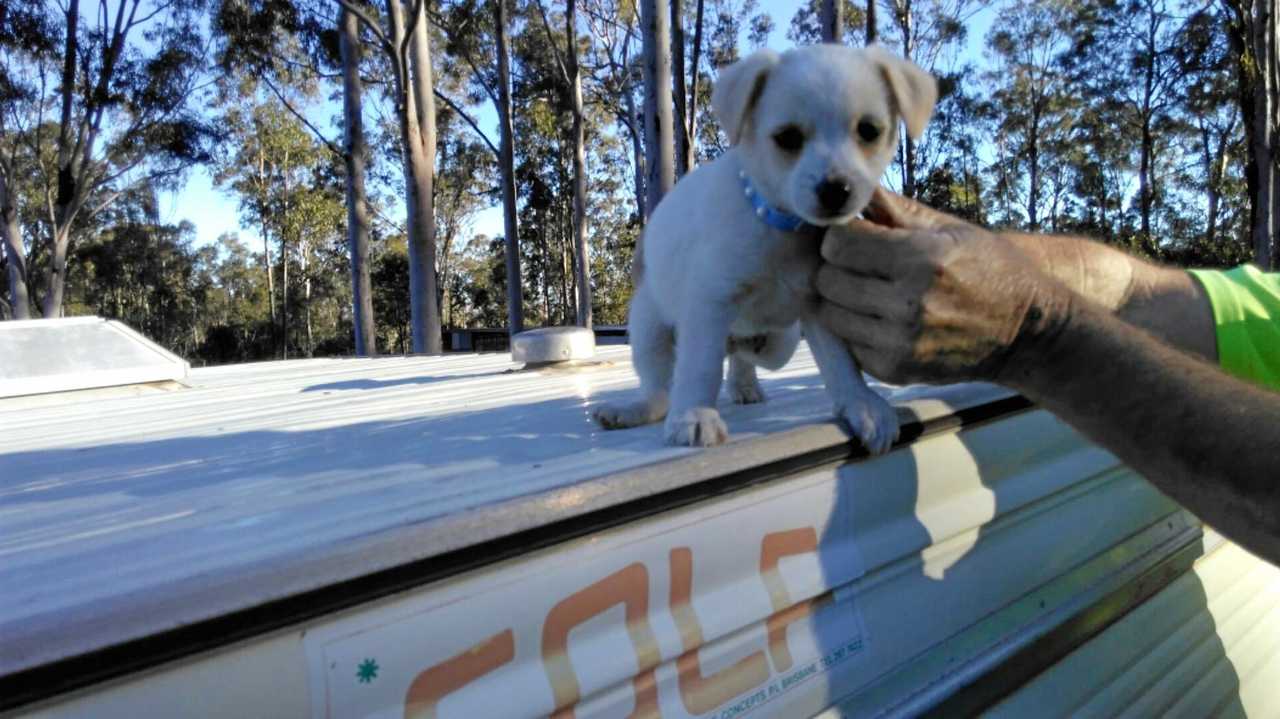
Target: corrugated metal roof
<point x="124" y="516"/>
<point x="1206" y="645"/>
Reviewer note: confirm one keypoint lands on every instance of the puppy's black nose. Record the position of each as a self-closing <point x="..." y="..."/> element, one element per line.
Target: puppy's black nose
<point x="832" y="194"/>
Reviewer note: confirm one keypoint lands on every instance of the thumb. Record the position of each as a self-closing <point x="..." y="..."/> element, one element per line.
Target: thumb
<point x="893" y="210"/>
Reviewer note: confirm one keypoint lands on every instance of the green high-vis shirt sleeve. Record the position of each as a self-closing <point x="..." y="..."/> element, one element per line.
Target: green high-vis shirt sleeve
<point x="1246" y="311"/>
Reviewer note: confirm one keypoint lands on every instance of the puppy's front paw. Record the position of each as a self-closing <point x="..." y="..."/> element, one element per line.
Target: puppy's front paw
<point x="746" y="392"/>
<point x="873" y="420"/>
<point x="623" y="416"/>
<point x="697" y="427"/>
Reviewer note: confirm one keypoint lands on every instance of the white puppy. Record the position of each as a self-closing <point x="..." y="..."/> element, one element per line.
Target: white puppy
<point x="727" y="260"/>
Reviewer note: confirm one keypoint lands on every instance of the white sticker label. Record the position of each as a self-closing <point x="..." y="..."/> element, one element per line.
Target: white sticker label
<point x="715" y="611"/>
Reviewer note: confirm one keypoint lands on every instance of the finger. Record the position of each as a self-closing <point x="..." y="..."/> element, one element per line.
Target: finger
<point x="881" y="208"/>
<point x="864" y="295"/>
<point x="872" y="341"/>
<point x="893" y="210"/>
<point x="854" y="244"/>
<point x="863" y="332"/>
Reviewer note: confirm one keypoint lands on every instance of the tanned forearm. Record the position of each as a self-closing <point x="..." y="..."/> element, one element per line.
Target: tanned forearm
<point x="1208" y="440"/>
<point x="1165" y="301"/>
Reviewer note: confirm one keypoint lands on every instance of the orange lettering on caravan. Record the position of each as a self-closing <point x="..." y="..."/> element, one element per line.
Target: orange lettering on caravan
<point x="629" y="587"/>
<point x="773" y="548"/>
<point x="701" y="693"/>
<point x="432" y="684"/>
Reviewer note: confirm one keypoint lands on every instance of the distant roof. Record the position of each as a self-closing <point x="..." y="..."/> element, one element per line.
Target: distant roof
<point x="126" y="516"/>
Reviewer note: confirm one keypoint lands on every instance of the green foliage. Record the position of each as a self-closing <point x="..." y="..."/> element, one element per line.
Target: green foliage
<point x="806" y="24"/>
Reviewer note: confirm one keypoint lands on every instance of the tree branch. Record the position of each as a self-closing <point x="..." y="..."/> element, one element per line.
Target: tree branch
<point x="493" y="97"/>
<point x="314" y="130"/>
<point x="454" y="106"/>
<point x="555" y="49"/>
<point x="370" y="23"/>
<point x="142" y="20"/>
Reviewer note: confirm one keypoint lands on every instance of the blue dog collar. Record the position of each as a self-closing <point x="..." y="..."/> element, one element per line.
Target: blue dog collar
<point x="772" y="217"/>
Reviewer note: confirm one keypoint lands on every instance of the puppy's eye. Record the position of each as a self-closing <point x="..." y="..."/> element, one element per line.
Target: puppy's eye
<point x="868" y="131"/>
<point x="789" y="138"/>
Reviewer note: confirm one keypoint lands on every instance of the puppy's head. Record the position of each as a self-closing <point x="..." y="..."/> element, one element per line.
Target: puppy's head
<point x="817" y="126"/>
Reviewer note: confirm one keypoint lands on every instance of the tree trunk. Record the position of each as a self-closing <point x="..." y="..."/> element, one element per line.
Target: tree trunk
<point x="285" y="169"/>
<point x="51" y="307"/>
<point x="446" y="271"/>
<point x="75" y="155"/>
<point x="66" y="192"/>
<point x="1253" y="33"/>
<point x="566" y="270"/>
<point x="905" y="19"/>
<point x="659" y="161"/>
<point x="506" y="166"/>
<point x="1145" y="159"/>
<point x="545" y="280"/>
<point x="1214" y="155"/>
<point x="1144" y="183"/>
<point x="1033" y="159"/>
<point x="266" y="251"/>
<point x="872" y="30"/>
<point x="680" y="125"/>
<point x="637" y="156"/>
<point x="271" y="285"/>
<point x="13" y="252"/>
<point x="418" y="136"/>
<point x="635" y="128"/>
<point x="306" y="298"/>
<point x="355" y="153"/>
<point x="582" y="256"/>
<point x="692" y="109"/>
<point x="1266" y="136"/>
<point x="284" y="296"/>
<point x="832" y="21"/>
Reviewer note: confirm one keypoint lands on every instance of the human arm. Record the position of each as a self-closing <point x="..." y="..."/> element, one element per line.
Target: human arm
<point x="919" y="299"/>
<point x="1166" y="301"/>
<point x="1207" y="439"/>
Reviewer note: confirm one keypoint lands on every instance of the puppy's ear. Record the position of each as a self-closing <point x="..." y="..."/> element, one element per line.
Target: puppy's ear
<point x="737" y="89"/>
<point x="914" y="91"/>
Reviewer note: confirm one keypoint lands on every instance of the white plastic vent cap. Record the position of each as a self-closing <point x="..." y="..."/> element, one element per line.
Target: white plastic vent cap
<point x="553" y="344"/>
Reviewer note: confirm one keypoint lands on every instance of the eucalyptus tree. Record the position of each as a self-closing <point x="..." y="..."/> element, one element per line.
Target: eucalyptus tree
<point x="1029" y="98"/>
<point x="355" y="155"/>
<point x="1206" y="99"/>
<point x="929" y="33"/>
<point x="1134" y="72"/>
<point x="685" y="92"/>
<point x="833" y="21"/>
<point x="105" y="101"/>
<point x="1254" y="30"/>
<point x="614" y="42"/>
<point x="466" y="44"/>
<point x="816" y="21"/>
<point x="658" y="140"/>
<point x="567" y="63"/>
<point x="288" y="49"/>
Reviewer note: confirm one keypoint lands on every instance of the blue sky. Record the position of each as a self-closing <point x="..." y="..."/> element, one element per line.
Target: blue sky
<point x="214" y="212"/>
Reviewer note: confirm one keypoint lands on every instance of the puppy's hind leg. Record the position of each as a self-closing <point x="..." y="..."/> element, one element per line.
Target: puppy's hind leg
<point x="778" y="348"/>
<point x="652" y="356"/>
<point x="772" y="353"/>
<point x="744" y="387"/>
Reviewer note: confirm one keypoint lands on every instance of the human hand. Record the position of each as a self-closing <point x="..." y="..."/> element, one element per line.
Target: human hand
<point x="921" y="296"/>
